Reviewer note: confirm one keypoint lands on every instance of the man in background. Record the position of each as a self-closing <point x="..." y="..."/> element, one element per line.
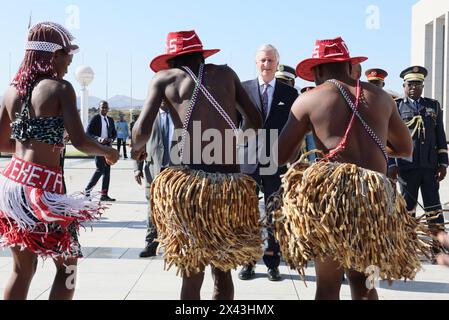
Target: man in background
<point x="102" y="129"/>
<point x="274" y="99"/>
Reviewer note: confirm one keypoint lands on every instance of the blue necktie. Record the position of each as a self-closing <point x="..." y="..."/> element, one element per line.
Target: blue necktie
<point x="265" y="101"/>
<point x="416" y="104"/>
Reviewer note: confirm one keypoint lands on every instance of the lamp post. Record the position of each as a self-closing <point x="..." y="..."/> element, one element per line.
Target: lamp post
<point x="85" y="76"/>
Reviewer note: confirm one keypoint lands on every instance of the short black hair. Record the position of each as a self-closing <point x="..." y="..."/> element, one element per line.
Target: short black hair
<point x="186" y="59"/>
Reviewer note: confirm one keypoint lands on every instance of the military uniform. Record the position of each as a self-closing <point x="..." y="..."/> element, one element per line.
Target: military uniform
<point x="286" y="74"/>
<point x="424" y="118"/>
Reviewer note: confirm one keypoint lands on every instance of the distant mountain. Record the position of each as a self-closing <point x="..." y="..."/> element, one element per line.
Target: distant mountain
<point x="116" y="102"/>
<point x="124" y="102"/>
<point x="93" y="101"/>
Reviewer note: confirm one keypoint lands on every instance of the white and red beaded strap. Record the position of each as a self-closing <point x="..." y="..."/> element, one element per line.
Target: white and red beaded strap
<point x="214" y="102"/>
<point x="42" y="46"/>
<point x="193" y="101"/>
<point x="370" y="132"/>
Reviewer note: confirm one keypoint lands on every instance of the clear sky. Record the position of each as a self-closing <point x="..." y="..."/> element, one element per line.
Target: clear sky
<point x="123" y="31"/>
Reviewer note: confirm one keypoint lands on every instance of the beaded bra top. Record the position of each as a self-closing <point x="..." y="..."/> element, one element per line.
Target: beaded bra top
<point x="48" y="130"/>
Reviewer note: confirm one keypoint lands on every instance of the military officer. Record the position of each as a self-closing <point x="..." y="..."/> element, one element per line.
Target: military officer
<point x="376" y="76"/>
<point x="427" y="167"/>
<point x="286" y="74"/>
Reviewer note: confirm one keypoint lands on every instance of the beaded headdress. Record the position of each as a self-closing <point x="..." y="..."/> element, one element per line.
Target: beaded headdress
<point x="44" y="39"/>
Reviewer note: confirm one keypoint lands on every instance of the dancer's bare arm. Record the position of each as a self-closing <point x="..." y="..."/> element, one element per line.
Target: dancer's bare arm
<point x="400" y="143"/>
<point x="74" y="127"/>
<point x="294" y="132"/>
<point x="6" y="143"/>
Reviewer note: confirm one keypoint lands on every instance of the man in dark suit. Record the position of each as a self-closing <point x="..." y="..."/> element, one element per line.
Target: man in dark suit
<point x="158" y="149"/>
<point x="427" y="167"/>
<point x="274" y="100"/>
<point x="102" y="129"/>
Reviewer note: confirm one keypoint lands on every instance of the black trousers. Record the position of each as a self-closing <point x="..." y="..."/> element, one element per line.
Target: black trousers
<point x="121" y="142"/>
<point x="270" y="185"/>
<point x="425" y="180"/>
<point x="151" y="228"/>
<point x="103" y="170"/>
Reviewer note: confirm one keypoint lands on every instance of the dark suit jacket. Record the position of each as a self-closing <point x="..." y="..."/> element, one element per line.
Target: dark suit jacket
<point x="155" y="149"/>
<point x="283" y="98"/>
<point x="94" y="128"/>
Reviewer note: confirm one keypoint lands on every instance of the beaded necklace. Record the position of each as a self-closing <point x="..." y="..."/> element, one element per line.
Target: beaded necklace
<point x="193" y="101"/>
<point x="212" y="100"/>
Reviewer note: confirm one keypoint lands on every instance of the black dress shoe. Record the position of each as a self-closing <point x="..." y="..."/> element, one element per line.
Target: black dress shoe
<point x="150" y="250"/>
<point x="106" y="198"/>
<point x="274" y="274"/>
<point x="247" y="272"/>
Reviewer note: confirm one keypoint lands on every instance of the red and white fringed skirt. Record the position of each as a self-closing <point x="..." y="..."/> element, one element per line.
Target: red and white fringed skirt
<point x="37" y="215"/>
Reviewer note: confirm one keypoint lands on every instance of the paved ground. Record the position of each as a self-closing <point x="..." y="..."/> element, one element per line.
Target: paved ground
<point x="112" y="270"/>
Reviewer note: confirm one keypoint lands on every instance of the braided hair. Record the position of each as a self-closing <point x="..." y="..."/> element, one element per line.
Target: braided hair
<point x="47" y="38"/>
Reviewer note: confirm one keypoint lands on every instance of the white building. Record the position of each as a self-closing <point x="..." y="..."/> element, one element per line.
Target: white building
<point x="430" y="48"/>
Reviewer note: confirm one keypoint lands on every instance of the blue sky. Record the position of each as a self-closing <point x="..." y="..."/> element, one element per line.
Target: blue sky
<point x="120" y="30"/>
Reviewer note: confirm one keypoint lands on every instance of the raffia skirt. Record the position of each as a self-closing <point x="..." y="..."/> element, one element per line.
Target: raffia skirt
<point x="352" y="215"/>
<point x="36" y="214"/>
<point x="206" y="219"/>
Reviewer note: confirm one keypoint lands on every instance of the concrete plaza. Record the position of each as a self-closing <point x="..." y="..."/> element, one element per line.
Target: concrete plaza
<point x="112" y="270"/>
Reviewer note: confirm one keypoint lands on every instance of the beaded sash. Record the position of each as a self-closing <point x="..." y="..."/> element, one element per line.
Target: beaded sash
<point x="354" y="107"/>
<point x="200" y="87"/>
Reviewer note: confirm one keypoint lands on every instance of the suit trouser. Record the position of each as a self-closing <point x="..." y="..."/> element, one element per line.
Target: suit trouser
<point x="103" y="169"/>
<point x="425" y="180"/>
<point x="151" y="228"/>
<point x="270" y="185"/>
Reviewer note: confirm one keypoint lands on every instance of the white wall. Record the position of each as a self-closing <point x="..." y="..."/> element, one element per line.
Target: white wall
<point x="430" y="48"/>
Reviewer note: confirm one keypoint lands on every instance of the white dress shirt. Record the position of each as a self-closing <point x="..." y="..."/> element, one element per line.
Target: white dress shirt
<point x="104" y="127"/>
<point x="270" y="92"/>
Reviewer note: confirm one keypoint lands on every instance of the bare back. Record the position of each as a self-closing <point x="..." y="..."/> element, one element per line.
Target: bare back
<point x="325" y="112"/>
<point x="331" y="117"/>
<point x="48" y="98"/>
<point x="175" y="87"/>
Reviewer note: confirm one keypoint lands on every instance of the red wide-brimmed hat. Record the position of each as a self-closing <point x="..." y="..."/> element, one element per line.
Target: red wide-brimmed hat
<point x="178" y="43"/>
<point x="326" y="51"/>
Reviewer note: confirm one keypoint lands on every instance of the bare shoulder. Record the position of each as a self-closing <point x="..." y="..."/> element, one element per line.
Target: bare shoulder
<point x="221" y="69"/>
<point x="375" y="93"/>
<point x="55" y="86"/>
<point x="375" y="90"/>
<point x="324" y="91"/>
<point x="166" y="76"/>
<point x="10" y="95"/>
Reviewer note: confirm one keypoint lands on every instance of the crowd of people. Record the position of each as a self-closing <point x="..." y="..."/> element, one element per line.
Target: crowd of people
<point x="323" y="160"/>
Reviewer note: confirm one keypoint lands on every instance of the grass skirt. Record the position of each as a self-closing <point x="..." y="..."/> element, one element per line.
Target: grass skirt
<point x="352" y="215"/>
<point x="206" y="219"/>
